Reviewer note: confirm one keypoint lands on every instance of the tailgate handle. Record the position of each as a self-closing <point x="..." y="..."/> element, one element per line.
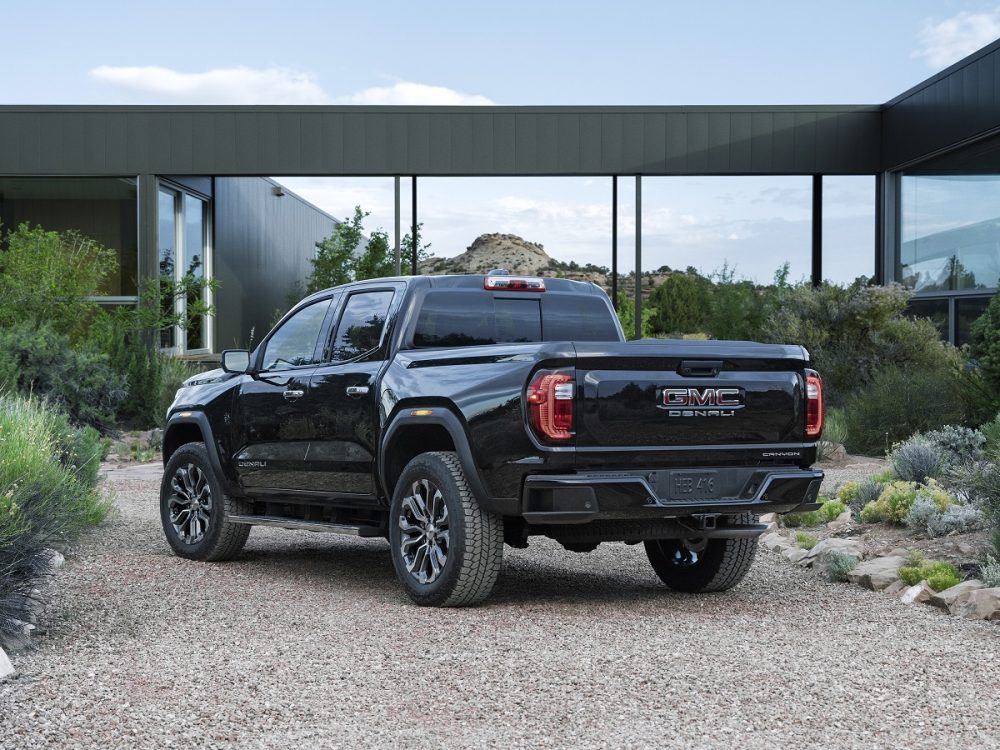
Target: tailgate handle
<point x="696" y="368"/>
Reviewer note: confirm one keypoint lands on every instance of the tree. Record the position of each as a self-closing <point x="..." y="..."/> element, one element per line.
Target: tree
<point x="334" y="261"/>
<point x="406" y="248"/>
<point x="376" y="261"/>
<point x="681" y="304"/>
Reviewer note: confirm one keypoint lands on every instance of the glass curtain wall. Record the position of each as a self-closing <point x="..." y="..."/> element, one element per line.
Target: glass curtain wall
<point x="949" y="250"/>
<point x="184" y="251"/>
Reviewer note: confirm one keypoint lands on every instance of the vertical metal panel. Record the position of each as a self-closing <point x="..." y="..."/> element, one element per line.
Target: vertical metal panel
<point x="739" y="142"/>
<point x="525" y="143"/>
<point x="762" y="136"/>
<point x="591" y="140"/>
<point x="697" y="143"/>
<point x="482" y="142"/>
<point x="313" y="148"/>
<point x="718" y="141"/>
<point x="418" y="143"/>
<point x="462" y="148"/>
<point x="354" y="142"/>
<point x="611" y="142"/>
<point x="439" y="154"/>
<point x="632" y="143"/>
<point x="805" y="141"/>
<point x="396" y="147"/>
<point x="567" y="143"/>
<point x="675" y="145"/>
<point x="375" y="134"/>
<point x="783" y="139"/>
<point x="654" y="150"/>
<point x="504" y="142"/>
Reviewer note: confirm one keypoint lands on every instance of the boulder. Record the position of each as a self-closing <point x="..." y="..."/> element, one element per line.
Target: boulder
<point x="776" y="541"/>
<point x="822" y="551"/>
<point x="944" y="599"/>
<point x="877" y="574"/>
<point x="794" y="554"/>
<point x="922" y="592"/>
<point x="6" y="668"/>
<point x="841" y="522"/>
<point x="895" y="588"/>
<point x="979" y="604"/>
<point x="769" y="518"/>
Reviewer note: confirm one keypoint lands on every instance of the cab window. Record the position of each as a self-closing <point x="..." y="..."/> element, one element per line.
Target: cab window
<point x="294" y="343"/>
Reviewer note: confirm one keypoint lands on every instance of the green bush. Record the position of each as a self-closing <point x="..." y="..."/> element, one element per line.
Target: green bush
<point x="809" y="519"/>
<point x="47" y="277"/>
<point x="806" y="541"/>
<point x="40" y="361"/>
<point x="916" y="460"/>
<point x="898" y="403"/>
<point x="991" y="438"/>
<point x="939" y="575"/>
<point x="839" y="564"/>
<point x="47" y="496"/>
<point x="832" y="509"/>
<point x="980" y="482"/>
<point x="984" y="344"/>
<point x="892" y="505"/>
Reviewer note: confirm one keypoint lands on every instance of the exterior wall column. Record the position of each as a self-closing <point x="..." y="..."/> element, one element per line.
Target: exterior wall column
<point x="817" y="230"/>
<point x="638" y="256"/>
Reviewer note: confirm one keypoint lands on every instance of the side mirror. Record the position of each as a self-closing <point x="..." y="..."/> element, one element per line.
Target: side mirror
<point x="236" y="360"/>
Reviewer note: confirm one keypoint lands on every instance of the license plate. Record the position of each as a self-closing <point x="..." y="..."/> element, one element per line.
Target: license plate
<point x="694" y="485"/>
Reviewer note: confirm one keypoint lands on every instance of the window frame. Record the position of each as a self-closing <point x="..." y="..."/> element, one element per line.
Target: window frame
<point x="333" y="303"/>
<point x="326" y="356"/>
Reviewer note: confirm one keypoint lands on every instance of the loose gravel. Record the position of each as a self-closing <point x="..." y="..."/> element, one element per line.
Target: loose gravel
<point x="307" y="641"/>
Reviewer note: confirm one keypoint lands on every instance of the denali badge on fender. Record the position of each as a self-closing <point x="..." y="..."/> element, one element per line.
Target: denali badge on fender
<point x="701" y="402"/>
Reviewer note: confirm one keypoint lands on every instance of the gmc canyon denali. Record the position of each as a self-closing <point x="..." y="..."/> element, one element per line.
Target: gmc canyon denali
<point x="454" y="414"/>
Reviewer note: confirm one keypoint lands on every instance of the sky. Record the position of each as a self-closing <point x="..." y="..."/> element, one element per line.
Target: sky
<point x="575" y="53"/>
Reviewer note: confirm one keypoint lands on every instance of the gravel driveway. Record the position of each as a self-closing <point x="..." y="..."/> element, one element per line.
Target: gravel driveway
<point x="307" y="641"/>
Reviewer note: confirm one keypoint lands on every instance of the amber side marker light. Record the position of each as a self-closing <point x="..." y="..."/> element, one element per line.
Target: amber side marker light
<point x="421" y="412"/>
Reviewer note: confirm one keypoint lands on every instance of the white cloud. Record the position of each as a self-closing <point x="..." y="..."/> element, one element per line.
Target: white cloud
<point x="240" y="85"/>
<point x="275" y="85"/>
<point x="410" y="93"/>
<point x="945" y="42"/>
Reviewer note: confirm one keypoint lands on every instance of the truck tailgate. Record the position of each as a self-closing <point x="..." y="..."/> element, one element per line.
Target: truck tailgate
<point x="689" y="393"/>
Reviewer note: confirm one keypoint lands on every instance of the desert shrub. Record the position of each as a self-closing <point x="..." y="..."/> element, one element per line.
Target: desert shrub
<point x="47" y="278"/>
<point x="898" y="498"/>
<point x="47" y="496"/>
<point x="848" y="492"/>
<point x="681" y="304"/>
<point x="884" y="477"/>
<point x="925" y="516"/>
<point x="854" y="332"/>
<point x="898" y="403"/>
<point x="856" y="495"/>
<point x="980" y="482"/>
<point x="984" y="344"/>
<point x="989" y="571"/>
<point x="957" y="444"/>
<point x="806" y="541"/>
<point x="839" y="564"/>
<point x="916" y="460"/>
<point x="939" y="575"/>
<point x="991" y="438"/>
<point x="834" y="434"/>
<point x="832" y="509"/>
<point x="809" y="519"/>
<point x="41" y="361"/>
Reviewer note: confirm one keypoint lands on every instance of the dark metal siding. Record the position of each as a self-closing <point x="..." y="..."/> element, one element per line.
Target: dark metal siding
<point x="263" y="244"/>
<point x="958" y="104"/>
<point x="439" y="140"/>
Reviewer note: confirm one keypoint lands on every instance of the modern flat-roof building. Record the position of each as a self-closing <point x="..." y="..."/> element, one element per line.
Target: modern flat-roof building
<point x="151" y="181"/>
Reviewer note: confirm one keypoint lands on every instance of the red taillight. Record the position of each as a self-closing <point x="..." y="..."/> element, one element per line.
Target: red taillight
<point x="814" y="405"/>
<point x="550" y="403"/>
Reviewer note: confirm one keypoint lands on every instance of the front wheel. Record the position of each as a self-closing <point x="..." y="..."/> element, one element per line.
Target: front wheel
<point x="445" y="548"/>
<point x="195" y="510"/>
<point x="702" y="565"/>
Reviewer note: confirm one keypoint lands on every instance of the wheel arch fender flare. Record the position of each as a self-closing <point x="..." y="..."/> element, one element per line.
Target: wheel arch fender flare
<point x="181" y="420"/>
<point x="441" y="417"/>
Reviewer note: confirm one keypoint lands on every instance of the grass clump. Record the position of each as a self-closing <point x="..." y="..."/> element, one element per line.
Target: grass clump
<point x="48" y="477"/>
<point x="832" y="509"/>
<point x="806" y="541"/>
<point x="839" y="564"/>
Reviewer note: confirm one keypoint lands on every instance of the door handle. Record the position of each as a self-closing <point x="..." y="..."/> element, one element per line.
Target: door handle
<point x="357" y="390"/>
<point x="292" y="395"/>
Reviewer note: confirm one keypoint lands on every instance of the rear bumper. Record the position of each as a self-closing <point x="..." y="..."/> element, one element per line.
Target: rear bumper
<point x="636" y="495"/>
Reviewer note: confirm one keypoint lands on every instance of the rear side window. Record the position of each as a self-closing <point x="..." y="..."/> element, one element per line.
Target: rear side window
<point x="360" y="326"/>
<point x="474" y="319"/>
<point x="578" y="318"/>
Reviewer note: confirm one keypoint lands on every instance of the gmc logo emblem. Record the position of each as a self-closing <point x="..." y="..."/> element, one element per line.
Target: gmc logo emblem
<point x="701" y="402"/>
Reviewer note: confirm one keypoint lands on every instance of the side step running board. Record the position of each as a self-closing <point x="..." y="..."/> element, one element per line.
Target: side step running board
<point x="301" y="525"/>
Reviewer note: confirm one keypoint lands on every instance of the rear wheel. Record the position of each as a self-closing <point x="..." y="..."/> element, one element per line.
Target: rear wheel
<point x="195" y="510"/>
<point x="445" y="548"/>
<point x="702" y="565"/>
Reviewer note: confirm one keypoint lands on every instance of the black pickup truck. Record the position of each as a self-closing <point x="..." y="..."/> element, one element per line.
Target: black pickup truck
<point x="454" y="414"/>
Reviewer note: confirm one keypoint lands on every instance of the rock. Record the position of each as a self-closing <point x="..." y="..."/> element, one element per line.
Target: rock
<point x="897" y="552"/>
<point x="769" y="518"/>
<point x="922" y="592"/>
<point x="776" y="541"/>
<point x="895" y="588"/>
<point x="822" y="551"/>
<point x="794" y="554"/>
<point x="56" y="559"/>
<point x="946" y="598"/>
<point x="841" y="522"/>
<point x="6" y="668"/>
<point x="877" y="574"/>
<point x="772" y="526"/>
<point x="979" y="604"/>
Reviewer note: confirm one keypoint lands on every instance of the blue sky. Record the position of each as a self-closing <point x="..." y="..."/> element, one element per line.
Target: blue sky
<point x="523" y="53"/>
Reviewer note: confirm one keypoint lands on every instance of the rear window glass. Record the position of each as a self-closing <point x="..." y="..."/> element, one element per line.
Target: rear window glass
<point x="474" y="318"/>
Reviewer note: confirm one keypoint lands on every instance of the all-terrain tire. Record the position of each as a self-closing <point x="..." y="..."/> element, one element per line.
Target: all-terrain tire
<point x="719" y="566"/>
<point x="221" y="539"/>
<point x="474" y="536"/>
